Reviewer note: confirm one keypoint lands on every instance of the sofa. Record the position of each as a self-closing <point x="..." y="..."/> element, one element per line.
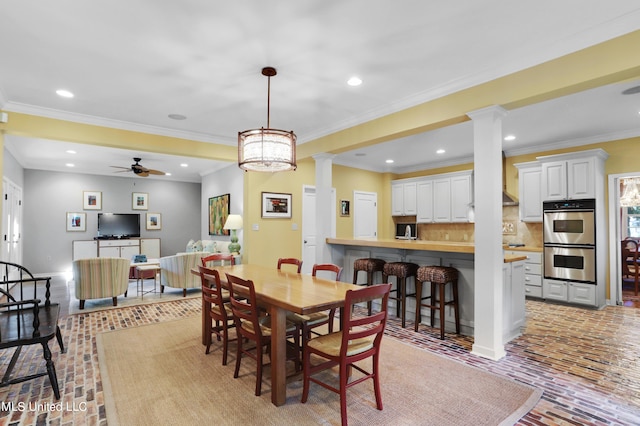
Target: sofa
<point x="101" y="277"/>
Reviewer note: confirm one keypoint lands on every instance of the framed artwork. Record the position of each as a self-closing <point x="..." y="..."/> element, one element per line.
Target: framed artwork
<point x="154" y="221"/>
<point x="76" y="222"/>
<point x="92" y="200"/>
<point x="276" y="205"/>
<point x="218" y="213"/>
<point x="344" y="208"/>
<point x="140" y="201"/>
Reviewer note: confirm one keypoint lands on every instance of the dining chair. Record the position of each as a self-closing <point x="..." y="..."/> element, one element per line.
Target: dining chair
<point x="218" y="259"/>
<point x="290" y="261"/>
<point x="308" y="322"/>
<point x="630" y="266"/>
<point x="251" y="326"/>
<point x="359" y="339"/>
<point x="216" y="309"/>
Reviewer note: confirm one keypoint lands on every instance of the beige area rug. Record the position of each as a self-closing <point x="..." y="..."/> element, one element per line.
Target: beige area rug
<point x="159" y="374"/>
<point x="132" y="299"/>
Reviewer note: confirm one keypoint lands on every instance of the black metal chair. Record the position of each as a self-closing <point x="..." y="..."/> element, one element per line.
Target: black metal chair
<point x="25" y="320"/>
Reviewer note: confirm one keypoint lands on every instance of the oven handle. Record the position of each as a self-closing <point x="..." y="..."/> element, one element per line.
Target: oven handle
<point x="575" y="246"/>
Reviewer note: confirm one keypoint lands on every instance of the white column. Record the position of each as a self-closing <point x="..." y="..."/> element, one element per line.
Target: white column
<point x="489" y="254"/>
<point x="324" y="211"/>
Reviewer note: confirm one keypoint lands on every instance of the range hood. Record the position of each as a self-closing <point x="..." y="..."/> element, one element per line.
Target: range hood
<point x="507" y="199"/>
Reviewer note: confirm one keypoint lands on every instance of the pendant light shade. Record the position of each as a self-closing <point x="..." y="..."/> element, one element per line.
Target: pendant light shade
<point x="631" y="193"/>
<point x="266" y="149"/>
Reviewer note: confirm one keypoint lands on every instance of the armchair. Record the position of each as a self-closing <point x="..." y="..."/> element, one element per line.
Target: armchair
<point x="175" y="271"/>
<point x="101" y="277"/>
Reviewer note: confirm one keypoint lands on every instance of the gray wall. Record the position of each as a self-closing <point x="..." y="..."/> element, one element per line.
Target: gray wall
<point x="48" y="196"/>
<point x="229" y="180"/>
<point x="12" y="170"/>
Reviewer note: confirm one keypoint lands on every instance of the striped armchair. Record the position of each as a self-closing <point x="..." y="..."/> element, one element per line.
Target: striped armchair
<point x="101" y="277"/>
<point x="175" y="271"/>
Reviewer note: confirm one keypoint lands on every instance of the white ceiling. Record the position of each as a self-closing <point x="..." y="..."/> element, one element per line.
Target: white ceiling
<point x="131" y="66"/>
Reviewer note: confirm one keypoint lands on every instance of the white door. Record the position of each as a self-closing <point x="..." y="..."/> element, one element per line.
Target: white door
<point x="309" y="237"/>
<point x="11" y="222"/>
<point x="365" y="214"/>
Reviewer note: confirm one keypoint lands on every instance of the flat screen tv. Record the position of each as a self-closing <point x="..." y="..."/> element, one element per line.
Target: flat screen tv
<point x="118" y="225"/>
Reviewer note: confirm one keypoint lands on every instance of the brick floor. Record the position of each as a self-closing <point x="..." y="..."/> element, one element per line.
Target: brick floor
<point x="586" y="361"/>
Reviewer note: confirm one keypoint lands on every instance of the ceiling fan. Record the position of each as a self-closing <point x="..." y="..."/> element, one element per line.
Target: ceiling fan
<point x="138" y="169"/>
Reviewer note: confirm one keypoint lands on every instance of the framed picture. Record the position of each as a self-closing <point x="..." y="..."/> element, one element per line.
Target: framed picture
<point x="218" y="213"/>
<point x="344" y="208"/>
<point x="154" y="221"/>
<point x="92" y="200"/>
<point x="76" y="222"/>
<point x="140" y="201"/>
<point x="276" y="205"/>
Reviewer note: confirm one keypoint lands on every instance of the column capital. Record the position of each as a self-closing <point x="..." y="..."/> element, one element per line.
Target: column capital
<point x="495" y="111"/>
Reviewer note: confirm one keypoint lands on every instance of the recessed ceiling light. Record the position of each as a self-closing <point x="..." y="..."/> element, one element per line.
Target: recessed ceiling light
<point x="177" y="117"/>
<point x="354" y="81"/>
<point x="167" y="174"/>
<point x="389" y="161"/>
<point x="440" y="151"/>
<point x="64" y="93"/>
<point x="509" y="138"/>
<point x="70" y="165"/>
<point x="184" y="165"/>
<point x="70" y="151"/>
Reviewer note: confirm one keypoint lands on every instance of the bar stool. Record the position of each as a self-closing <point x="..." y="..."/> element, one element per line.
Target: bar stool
<point x="440" y="276"/>
<point x="402" y="271"/>
<point x="370" y="266"/>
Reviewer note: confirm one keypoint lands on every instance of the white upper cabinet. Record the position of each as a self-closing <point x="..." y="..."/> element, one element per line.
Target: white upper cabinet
<point x="572" y="176"/>
<point x="403" y="198"/>
<point x="444" y="198"/>
<point x="530" y="191"/>
<point x="424" y="201"/>
<point x="461" y="197"/>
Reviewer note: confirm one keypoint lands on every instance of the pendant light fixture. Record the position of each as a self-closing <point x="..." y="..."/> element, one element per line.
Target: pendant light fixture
<point x="631" y="193"/>
<point x="266" y="149"/>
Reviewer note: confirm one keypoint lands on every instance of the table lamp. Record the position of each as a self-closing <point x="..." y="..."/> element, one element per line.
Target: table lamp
<point x="234" y="221"/>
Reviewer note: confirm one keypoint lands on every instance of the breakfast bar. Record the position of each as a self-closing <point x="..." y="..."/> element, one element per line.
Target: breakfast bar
<point x="459" y="255"/>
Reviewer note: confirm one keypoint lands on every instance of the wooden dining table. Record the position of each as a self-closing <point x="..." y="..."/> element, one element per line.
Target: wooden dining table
<point x="281" y="291"/>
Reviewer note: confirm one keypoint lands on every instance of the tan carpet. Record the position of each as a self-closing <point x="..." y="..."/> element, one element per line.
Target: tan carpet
<point x="132" y="299"/>
<point x="159" y="374"/>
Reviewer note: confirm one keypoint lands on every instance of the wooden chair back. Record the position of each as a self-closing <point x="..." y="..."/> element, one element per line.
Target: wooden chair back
<point x="290" y="261"/>
<point x="330" y="267"/>
<point x="242" y="296"/>
<point x="218" y="259"/>
<point x="630" y="267"/>
<point x="212" y="293"/>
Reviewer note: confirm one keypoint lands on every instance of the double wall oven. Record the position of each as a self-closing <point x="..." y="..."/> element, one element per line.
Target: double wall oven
<point x="569" y="232"/>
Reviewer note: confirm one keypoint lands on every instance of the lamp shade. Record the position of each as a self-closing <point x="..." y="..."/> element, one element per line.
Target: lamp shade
<point x="234" y="221"/>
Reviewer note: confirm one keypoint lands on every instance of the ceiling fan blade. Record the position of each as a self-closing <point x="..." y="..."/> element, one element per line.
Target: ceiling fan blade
<point x="143" y="174"/>
<point x="155" y="172"/>
<point x="126" y="169"/>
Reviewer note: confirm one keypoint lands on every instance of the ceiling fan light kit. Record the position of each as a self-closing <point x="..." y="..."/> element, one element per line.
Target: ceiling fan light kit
<point x="266" y="149"/>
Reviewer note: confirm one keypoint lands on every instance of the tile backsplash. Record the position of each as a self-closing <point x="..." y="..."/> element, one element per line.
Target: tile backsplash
<point x="527" y="233"/>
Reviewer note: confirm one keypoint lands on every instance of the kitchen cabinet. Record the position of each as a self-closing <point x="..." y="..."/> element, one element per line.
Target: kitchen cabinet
<point x="572" y="176"/>
<point x="571" y="292"/>
<point x="443" y="198"/>
<point x="424" y="201"/>
<point x="532" y="272"/>
<point x="530" y="191"/>
<point x="403" y="198"/>
<point x="513" y="300"/>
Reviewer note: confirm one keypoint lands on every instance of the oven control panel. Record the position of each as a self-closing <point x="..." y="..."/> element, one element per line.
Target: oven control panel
<point x="569" y="205"/>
